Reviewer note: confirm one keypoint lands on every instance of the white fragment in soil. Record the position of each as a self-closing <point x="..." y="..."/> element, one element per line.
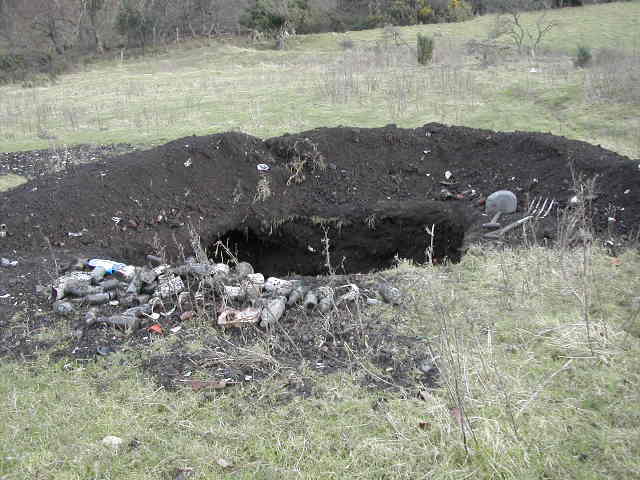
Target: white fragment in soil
<point x="573" y="199"/>
<point x="221" y="269"/>
<point x="176" y="329"/>
<point x="448" y="174"/>
<point x="5" y="262"/>
<point x="112" y="441"/>
<point x="188" y="163"/>
<point x="169" y="285"/>
<point x="276" y="286"/>
<point x="233" y="292"/>
<point x="256" y="279"/>
<point x="237" y="318"/>
<point x="224" y="463"/>
<point x="627" y="191"/>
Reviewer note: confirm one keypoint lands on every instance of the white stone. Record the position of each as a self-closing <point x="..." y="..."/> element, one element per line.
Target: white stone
<point x="112" y="441"/>
<point x="503" y="201"/>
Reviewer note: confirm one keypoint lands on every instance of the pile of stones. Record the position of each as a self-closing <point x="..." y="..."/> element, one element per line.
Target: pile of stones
<point x="130" y="297"/>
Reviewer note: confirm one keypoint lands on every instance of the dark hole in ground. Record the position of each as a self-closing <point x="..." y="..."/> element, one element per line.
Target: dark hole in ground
<point x="366" y="245"/>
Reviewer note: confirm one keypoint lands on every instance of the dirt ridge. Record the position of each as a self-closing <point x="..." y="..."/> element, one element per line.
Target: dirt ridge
<point x="366" y="187"/>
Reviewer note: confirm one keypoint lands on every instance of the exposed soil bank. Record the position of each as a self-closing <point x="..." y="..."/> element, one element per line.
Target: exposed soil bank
<point x="371" y="192"/>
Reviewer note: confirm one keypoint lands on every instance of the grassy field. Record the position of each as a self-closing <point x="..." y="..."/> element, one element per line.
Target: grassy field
<point x="538" y="349"/>
<point x="547" y="385"/>
<point x="200" y="89"/>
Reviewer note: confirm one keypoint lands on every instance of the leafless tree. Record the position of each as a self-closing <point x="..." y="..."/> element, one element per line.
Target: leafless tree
<point x="526" y="37"/>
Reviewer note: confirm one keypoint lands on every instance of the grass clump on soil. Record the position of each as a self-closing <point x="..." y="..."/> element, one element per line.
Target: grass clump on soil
<point x="530" y="382"/>
<point x="425" y="49"/>
<point x="217" y="87"/>
<point x="10" y="180"/>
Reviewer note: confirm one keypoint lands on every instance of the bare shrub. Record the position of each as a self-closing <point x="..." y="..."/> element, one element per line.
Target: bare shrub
<point x="615" y="76"/>
<point x="263" y="189"/>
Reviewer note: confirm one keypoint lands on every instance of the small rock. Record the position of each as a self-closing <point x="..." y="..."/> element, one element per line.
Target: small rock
<point x="5" y="262"/>
<point x="297" y="294"/>
<point x="243" y="269"/>
<point x="390" y="294"/>
<point x="502" y="201"/>
<point x="91" y="316"/>
<point x="310" y="300"/>
<point x="224" y="463"/>
<point x="276" y="286"/>
<point x="426" y="366"/>
<point x="104" y="351"/>
<point x="44" y="291"/>
<point x="63" y="308"/>
<point x="272" y="311"/>
<point x="112" y="441"/>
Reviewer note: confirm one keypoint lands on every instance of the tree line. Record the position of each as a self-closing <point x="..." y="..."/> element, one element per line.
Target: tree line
<point x="43" y="29"/>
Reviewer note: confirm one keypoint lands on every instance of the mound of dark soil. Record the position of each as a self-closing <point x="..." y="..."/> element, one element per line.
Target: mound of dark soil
<point x="366" y="195"/>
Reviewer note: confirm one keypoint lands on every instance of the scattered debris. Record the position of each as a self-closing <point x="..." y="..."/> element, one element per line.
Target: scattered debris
<point x="272" y="311"/>
<point x="230" y="317"/>
<point x="5" y="262"/>
<point x="156" y="328"/>
<point x="131" y="298"/>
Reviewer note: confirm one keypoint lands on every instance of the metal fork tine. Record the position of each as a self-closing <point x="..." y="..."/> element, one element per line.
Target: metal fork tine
<point x="532" y="205"/>
<point x="553" y="201"/>
<point x="544" y="205"/>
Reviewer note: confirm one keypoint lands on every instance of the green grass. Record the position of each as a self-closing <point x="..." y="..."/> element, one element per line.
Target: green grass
<point x="11" y="180"/>
<point x="221" y="87"/>
<point x="548" y="380"/>
<point x="544" y="396"/>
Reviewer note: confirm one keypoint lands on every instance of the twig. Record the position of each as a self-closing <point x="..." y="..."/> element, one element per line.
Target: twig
<point x="535" y="394"/>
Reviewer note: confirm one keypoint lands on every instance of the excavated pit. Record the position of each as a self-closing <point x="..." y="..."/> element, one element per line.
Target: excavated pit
<point x="358" y="246"/>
